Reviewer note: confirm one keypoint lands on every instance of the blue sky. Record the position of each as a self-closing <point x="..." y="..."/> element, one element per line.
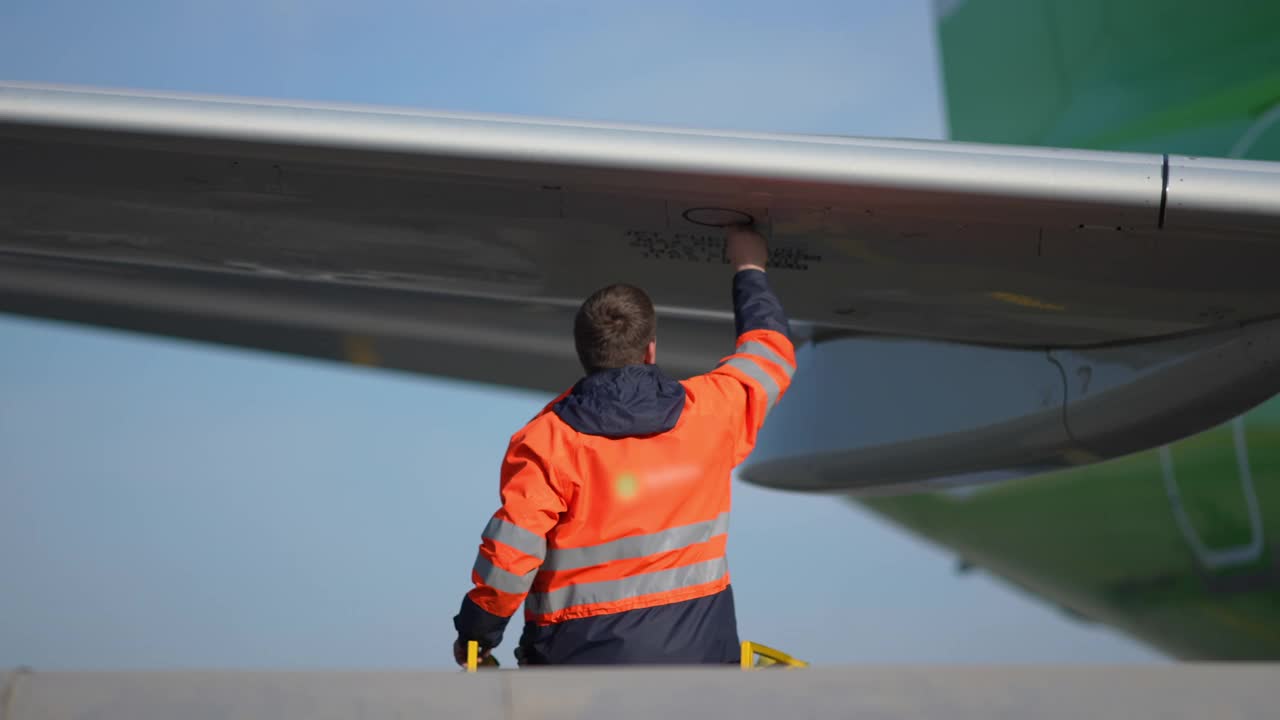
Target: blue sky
<point x="168" y="504"/>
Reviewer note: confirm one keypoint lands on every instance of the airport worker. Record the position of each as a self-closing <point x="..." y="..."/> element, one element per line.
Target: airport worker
<point x="615" y="497"/>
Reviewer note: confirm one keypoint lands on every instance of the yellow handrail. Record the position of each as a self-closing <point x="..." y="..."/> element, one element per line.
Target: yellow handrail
<point x="473" y="657"/>
<point x="768" y="657"/>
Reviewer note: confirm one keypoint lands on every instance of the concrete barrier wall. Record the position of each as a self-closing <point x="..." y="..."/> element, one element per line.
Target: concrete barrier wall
<point x="955" y="693"/>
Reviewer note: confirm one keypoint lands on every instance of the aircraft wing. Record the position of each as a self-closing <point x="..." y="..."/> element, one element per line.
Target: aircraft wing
<point x="460" y="245"/>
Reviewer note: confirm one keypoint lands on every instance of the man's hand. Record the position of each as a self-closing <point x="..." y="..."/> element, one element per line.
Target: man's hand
<point x="460" y="653"/>
<point x="746" y="249"/>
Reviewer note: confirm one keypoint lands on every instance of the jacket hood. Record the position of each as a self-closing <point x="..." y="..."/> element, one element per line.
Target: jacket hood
<point x="623" y="402"/>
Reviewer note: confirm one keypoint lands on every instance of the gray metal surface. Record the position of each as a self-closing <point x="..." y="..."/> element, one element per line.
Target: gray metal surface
<point x="1218" y="194"/>
<point x="922" y="414"/>
<point x="1027" y="247"/>
<point x="920" y="693"/>
<point x="1118" y="185"/>
<point x="461" y="245"/>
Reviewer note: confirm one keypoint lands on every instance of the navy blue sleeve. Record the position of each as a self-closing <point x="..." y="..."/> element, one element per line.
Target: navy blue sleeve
<point x="755" y="307"/>
<point x="475" y="623"/>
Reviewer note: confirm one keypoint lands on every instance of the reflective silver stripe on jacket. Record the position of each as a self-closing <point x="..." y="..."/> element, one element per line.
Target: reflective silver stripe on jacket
<point x="630" y="587"/>
<point x="517" y="537"/>
<point x="752" y="369"/>
<point x="637" y="545"/>
<point x="504" y="580"/>
<point x="760" y="350"/>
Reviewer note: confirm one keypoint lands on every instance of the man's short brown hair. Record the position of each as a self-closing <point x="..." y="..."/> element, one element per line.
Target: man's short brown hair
<point x="614" y="327"/>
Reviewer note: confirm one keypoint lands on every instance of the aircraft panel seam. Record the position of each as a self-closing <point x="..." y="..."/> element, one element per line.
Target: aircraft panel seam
<point x="1066" y="390"/>
<point x="1164" y="189"/>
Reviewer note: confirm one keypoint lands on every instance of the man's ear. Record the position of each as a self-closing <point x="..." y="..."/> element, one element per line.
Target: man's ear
<point x="651" y="353"/>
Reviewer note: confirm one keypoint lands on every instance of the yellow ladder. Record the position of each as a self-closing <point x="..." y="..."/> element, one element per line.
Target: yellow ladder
<point x="473" y="658"/>
<point x="768" y="657"/>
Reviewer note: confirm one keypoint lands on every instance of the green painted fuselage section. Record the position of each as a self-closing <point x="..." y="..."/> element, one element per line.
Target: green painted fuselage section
<point x="1174" y="546"/>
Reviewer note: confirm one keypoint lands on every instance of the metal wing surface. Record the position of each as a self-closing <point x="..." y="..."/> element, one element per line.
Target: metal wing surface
<point x="460" y="245"/>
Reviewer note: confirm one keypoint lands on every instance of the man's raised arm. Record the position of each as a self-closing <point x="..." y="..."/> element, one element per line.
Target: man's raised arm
<point x="765" y="360"/>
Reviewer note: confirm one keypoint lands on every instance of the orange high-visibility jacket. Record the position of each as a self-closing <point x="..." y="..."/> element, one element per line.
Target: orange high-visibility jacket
<point x="616" y="496"/>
